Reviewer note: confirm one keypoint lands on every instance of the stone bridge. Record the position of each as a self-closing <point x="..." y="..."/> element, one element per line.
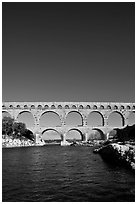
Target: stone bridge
<point x="63" y="109"/>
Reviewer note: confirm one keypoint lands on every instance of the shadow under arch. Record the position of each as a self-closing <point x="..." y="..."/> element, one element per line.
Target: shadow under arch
<point x="98" y="114"/>
<point x="79" y="131"/>
<point x="50" y="114"/>
<point x="54" y="130"/>
<point x="70" y="114"/>
<point x="26" y="117"/>
<point x="102" y="134"/>
<point x="115" y="121"/>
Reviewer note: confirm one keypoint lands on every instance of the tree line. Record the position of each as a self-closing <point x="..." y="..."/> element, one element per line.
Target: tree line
<point x="15" y="129"/>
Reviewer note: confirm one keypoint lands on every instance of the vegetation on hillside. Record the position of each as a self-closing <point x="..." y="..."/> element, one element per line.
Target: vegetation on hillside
<point x="125" y="134"/>
<point x="15" y="129"/>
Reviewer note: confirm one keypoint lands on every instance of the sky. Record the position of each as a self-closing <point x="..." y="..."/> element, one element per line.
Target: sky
<point x="68" y="52"/>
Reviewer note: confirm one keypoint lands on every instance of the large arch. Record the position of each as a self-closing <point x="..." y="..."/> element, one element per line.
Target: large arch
<point x="131" y="118"/>
<point x="74" y="134"/>
<point x="51" y="135"/>
<point x="27" y="118"/>
<point x="74" y="118"/>
<point x="101" y="135"/>
<point x="49" y="119"/>
<point x="115" y="119"/>
<point x="96" y="134"/>
<point x="6" y="114"/>
<point x="95" y="119"/>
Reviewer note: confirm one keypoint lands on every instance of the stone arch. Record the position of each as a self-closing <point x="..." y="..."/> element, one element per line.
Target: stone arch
<point x="71" y="135"/>
<point x="18" y="106"/>
<point x="116" y="119"/>
<point x="81" y="107"/>
<point x="59" y="106"/>
<point x="101" y="107"/>
<point x="6" y="114"/>
<point x="3" y="106"/>
<point x="32" y="106"/>
<point x="25" y="107"/>
<point x="39" y="106"/>
<point x="133" y="107"/>
<point x="122" y="107"/>
<point x="46" y="107"/>
<point x="102" y="134"/>
<point x="53" y="107"/>
<point x="51" y="134"/>
<point x="109" y="107"/>
<point x="11" y="106"/>
<point x="88" y="107"/>
<point x="74" y="118"/>
<point x="95" y="118"/>
<point x="51" y="119"/>
<point x="66" y="106"/>
<point x="73" y="107"/>
<point x="27" y="118"/>
<point x="115" y="107"/>
<point x="131" y="118"/>
<point x="128" y="107"/>
<point x="95" y="107"/>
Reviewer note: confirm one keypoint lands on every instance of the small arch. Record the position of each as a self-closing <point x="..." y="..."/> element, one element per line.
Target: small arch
<point x="25" y="107"/>
<point x="81" y="107"/>
<point x="46" y="107"/>
<point x="74" y="134"/>
<point x="108" y="107"/>
<point x="115" y="107"/>
<point x="101" y="107"/>
<point x="74" y="118"/>
<point x="51" y="135"/>
<point x="3" y="106"/>
<point x="115" y="119"/>
<point x="18" y="106"/>
<point x="128" y="107"/>
<point x="94" y="107"/>
<point x="32" y="106"/>
<point x="95" y="118"/>
<point x="133" y="107"/>
<point x="88" y="107"/>
<point x="59" y="107"/>
<point x="53" y="107"/>
<point x="11" y="106"/>
<point x="74" y="107"/>
<point x="122" y="107"/>
<point x="66" y="107"/>
<point x="39" y="106"/>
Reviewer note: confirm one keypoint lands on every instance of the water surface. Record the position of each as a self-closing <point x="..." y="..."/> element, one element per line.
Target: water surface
<point x="55" y="173"/>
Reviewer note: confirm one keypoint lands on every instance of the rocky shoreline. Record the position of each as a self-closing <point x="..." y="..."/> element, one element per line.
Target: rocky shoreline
<point x="121" y="154"/>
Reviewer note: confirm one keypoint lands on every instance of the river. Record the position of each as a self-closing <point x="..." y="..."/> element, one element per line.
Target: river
<point x="63" y="174"/>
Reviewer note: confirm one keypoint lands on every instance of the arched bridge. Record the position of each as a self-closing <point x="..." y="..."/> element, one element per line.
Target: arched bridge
<point x="63" y="110"/>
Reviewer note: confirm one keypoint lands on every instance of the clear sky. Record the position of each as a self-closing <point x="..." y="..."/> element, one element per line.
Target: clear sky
<point x="68" y="51"/>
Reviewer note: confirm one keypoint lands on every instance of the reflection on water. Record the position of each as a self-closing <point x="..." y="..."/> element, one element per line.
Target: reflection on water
<point x="54" y="173"/>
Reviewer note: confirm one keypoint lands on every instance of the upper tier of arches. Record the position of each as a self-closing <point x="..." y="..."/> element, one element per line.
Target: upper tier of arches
<point x="70" y="105"/>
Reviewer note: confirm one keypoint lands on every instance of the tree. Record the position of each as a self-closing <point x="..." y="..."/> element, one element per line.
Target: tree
<point x="18" y="129"/>
<point x="28" y="134"/>
<point x="7" y="126"/>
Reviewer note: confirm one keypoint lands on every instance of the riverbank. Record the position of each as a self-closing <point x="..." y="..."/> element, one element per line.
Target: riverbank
<point x="8" y="142"/>
<point x="121" y="154"/>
